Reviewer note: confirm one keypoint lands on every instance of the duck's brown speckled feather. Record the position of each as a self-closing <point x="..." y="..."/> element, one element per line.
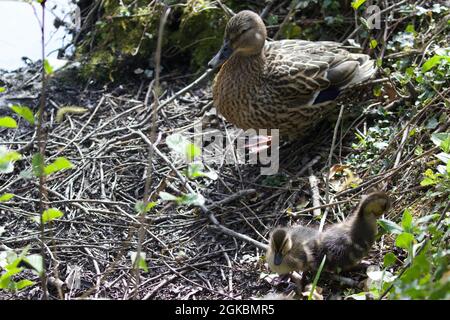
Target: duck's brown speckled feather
<point x="276" y="89"/>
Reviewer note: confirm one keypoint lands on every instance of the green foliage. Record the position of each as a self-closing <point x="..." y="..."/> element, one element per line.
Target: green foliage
<point x="357" y="3"/>
<point x="47" y="67"/>
<point x="7" y="159"/>
<point x="49" y="215"/>
<point x="10" y="263"/>
<point x="8" y="122"/>
<point x="190" y="199"/>
<point x="139" y="207"/>
<point x="139" y="261"/>
<point x="182" y="146"/>
<point x="6" y="197"/>
<point x="59" y="164"/>
<point x="24" y="112"/>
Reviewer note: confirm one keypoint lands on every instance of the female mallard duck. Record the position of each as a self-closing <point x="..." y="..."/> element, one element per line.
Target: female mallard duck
<point x="287" y="85"/>
<point x="344" y="244"/>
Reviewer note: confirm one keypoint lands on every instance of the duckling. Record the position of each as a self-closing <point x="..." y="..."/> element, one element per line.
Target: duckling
<point x="344" y="244"/>
<point x="288" y="85"/>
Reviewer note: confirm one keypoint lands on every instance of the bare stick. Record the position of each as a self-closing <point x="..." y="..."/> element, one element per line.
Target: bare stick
<point x="41" y="146"/>
<point x="330" y="158"/>
<point x="315" y="192"/>
<point x="148" y="180"/>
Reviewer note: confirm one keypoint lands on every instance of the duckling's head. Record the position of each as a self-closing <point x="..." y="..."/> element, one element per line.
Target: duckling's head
<point x="375" y="204"/>
<point x="280" y="244"/>
<point x="245" y="35"/>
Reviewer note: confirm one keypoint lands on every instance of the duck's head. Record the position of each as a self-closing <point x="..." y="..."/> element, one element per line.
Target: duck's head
<point x="280" y="244"/>
<point x="245" y="35"/>
<point x="375" y="204"/>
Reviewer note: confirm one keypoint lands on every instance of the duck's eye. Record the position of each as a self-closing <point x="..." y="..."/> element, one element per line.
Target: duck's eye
<point x="244" y="31"/>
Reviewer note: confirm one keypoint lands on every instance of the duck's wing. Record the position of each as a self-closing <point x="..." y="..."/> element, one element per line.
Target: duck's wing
<point x="307" y="73"/>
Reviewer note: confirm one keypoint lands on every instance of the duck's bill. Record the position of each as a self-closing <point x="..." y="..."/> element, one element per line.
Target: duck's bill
<point x="221" y="56"/>
<point x="278" y="258"/>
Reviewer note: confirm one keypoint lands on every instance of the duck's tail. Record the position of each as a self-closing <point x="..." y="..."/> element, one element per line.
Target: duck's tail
<point x="365" y="70"/>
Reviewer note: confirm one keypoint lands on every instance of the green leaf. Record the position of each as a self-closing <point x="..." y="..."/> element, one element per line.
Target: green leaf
<point x="24" y="283"/>
<point x="194" y="199"/>
<point x="357" y="3"/>
<point x="194" y="171"/>
<point x="37" y="163"/>
<point x="2" y="89"/>
<point x="404" y="240"/>
<point x="430" y="178"/>
<point x="428" y="218"/>
<point x="389" y="259"/>
<point x="139" y="206"/>
<point x="8" y="122"/>
<point x="191" y="199"/>
<point x="192" y="151"/>
<point x="317" y="276"/>
<point x="390" y="226"/>
<point x="433" y="61"/>
<point x="7" y="158"/>
<point x="167" y="196"/>
<point x="6" y="197"/>
<point x="47" y="67"/>
<point x="51" y="214"/>
<point x="59" y="164"/>
<point x="182" y="146"/>
<point x="141" y="263"/>
<point x="373" y="44"/>
<point x="24" y="112"/>
<point x="448" y="168"/>
<point x="407" y="220"/>
<point x="35" y="261"/>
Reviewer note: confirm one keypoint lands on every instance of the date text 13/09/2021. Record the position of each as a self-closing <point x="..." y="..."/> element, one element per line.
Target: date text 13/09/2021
<point x="226" y="310"/>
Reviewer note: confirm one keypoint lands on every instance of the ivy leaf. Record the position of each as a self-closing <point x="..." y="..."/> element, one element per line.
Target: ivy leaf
<point x="404" y="240"/>
<point x="6" y="197"/>
<point x="59" y="164"/>
<point x="24" y="112"/>
<point x="357" y="3"/>
<point x="390" y="226"/>
<point x="8" y="122"/>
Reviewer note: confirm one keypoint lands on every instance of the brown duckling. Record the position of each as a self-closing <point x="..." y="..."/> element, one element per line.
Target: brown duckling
<point x="344" y="244"/>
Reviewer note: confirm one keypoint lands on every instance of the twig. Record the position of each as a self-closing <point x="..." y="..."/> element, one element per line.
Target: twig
<point x="315" y="192"/>
<point x="41" y="146"/>
<point x="330" y="158"/>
